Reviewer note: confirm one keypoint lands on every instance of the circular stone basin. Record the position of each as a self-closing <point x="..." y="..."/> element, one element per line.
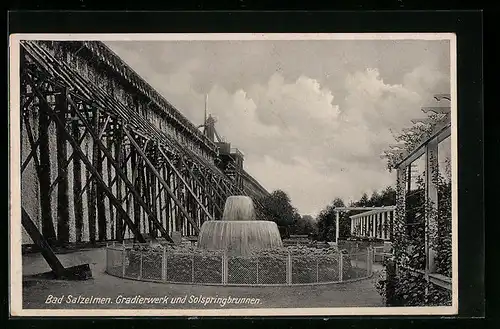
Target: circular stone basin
<point x="239" y="237"/>
<point x="239" y="232"/>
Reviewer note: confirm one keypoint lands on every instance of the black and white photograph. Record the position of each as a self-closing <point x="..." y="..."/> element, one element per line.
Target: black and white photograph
<point x="233" y="174"/>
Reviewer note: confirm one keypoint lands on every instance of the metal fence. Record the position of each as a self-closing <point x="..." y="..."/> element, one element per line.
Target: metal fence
<point x="219" y="268"/>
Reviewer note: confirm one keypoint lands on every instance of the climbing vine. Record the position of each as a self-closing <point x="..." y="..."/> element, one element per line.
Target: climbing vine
<point x="403" y="282"/>
<point x="410" y="139"/>
<point x="408" y="287"/>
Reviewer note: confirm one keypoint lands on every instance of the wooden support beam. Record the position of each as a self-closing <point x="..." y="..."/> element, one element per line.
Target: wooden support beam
<point x="162" y="181"/>
<point x="44" y="174"/>
<point x="109" y="144"/>
<point x="431" y="191"/>
<point x="42" y="244"/>
<point x="77" y="184"/>
<point x="119" y="156"/>
<point x="440" y="97"/>
<point x="93" y="195"/>
<point x="33" y="145"/>
<point x="64" y="166"/>
<point x="90" y="167"/>
<point x="400" y="197"/>
<point x="118" y="170"/>
<point x="201" y="185"/>
<point x="440" y="132"/>
<point x="62" y="188"/>
<point x="437" y="109"/>
<point x="423" y="121"/>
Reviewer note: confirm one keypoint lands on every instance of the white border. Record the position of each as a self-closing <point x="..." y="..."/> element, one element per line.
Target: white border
<point x="15" y="288"/>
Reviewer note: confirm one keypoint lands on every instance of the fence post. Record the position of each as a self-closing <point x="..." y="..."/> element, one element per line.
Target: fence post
<point x="192" y="268"/>
<point x="140" y="265"/>
<point x="317" y="270"/>
<point x="257" y="258"/>
<point x="124" y="258"/>
<point x="341" y="267"/>
<point x="289" y="269"/>
<point x="164" y="265"/>
<point x="369" y="260"/>
<point x="224" y="267"/>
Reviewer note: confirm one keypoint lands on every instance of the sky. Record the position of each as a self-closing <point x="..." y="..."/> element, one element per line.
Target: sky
<point x="312" y="117"/>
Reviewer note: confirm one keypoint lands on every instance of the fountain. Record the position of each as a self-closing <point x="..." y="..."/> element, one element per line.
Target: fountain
<point x="239" y="232"/>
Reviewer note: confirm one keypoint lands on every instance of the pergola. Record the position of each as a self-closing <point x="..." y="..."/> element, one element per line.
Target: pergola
<point x="401" y="157"/>
<point x="376" y="223"/>
<point x="370" y="217"/>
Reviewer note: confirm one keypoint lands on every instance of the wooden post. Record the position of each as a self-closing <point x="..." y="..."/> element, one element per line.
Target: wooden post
<point x="399" y="214"/>
<point x="119" y="157"/>
<point x="62" y="187"/>
<point x="154" y="231"/>
<point x="101" y="209"/>
<point x="431" y="190"/>
<point x="92" y="196"/>
<point x="77" y="186"/>
<point x="44" y="176"/>
<point x="112" y="218"/>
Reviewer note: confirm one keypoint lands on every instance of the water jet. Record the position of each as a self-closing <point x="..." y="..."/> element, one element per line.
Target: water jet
<point x="239" y="232"/>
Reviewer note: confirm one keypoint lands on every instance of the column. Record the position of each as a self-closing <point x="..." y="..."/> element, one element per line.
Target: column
<point x="372" y="226"/>
<point x="383" y="232"/>
<point x="431" y="191"/>
<point x="364" y="226"/>
<point x="379" y="227"/>
<point x="337" y="227"/>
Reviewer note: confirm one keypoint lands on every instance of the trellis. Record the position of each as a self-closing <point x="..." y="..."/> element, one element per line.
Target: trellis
<point x="427" y="133"/>
<point x="143" y="172"/>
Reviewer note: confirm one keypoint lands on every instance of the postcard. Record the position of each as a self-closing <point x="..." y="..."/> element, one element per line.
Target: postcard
<point x="233" y="174"/>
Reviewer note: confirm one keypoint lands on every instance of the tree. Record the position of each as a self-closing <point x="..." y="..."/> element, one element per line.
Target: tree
<point x="375" y="199"/>
<point x="388" y="197"/>
<point x="364" y="201"/>
<point x="278" y="208"/>
<point x="326" y="222"/>
<point x="304" y="225"/>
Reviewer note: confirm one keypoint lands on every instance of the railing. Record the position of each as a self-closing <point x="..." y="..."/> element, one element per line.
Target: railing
<point x="219" y="268"/>
<point x="439" y="280"/>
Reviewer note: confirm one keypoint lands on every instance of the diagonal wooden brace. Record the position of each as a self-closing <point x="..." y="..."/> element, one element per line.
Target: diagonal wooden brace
<point x="114" y="163"/>
<point x="91" y="168"/>
<point x="80" y="272"/>
<point x="163" y="182"/>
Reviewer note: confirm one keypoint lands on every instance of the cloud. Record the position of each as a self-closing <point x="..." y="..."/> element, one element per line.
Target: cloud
<point x="314" y="138"/>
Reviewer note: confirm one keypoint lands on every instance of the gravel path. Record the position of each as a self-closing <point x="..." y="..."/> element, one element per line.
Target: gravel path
<point x="36" y="291"/>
